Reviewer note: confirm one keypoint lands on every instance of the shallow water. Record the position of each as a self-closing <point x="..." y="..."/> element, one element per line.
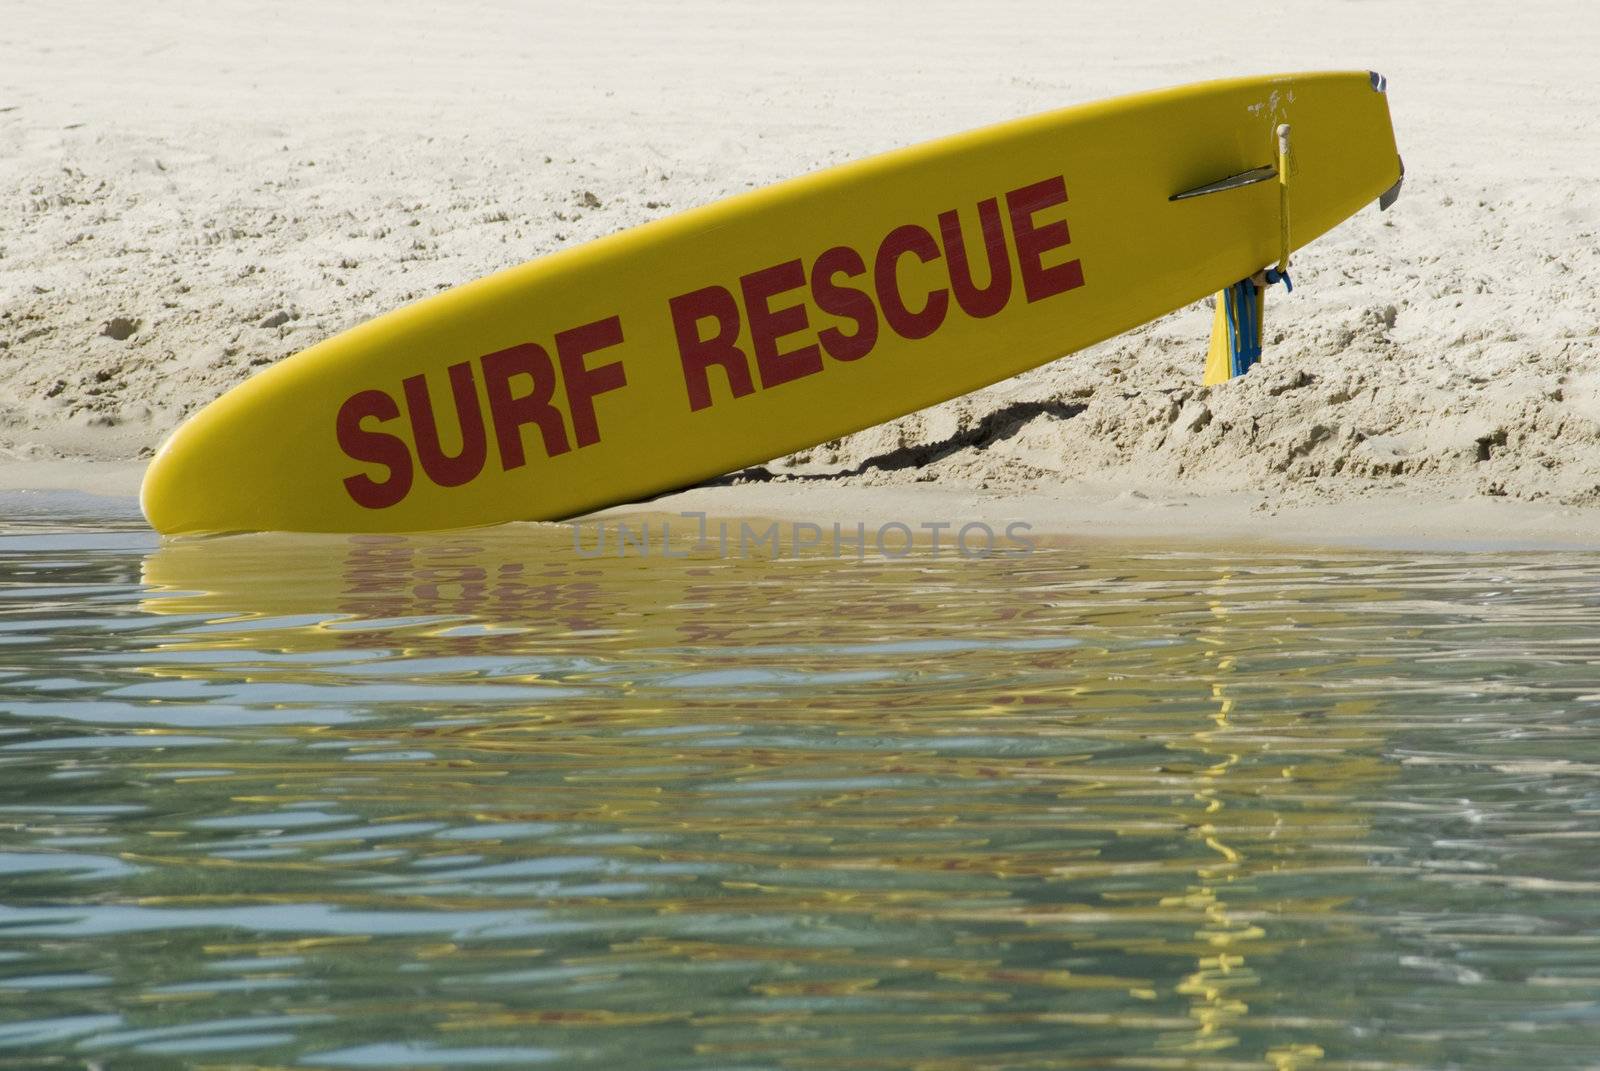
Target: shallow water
<point x="478" y="801"/>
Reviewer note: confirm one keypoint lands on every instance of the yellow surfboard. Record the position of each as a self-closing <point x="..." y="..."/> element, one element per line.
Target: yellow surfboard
<point x="738" y="332"/>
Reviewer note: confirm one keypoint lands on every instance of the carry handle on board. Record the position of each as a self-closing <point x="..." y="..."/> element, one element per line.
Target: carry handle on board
<point x="1283" y="199"/>
<point x="1241" y="308"/>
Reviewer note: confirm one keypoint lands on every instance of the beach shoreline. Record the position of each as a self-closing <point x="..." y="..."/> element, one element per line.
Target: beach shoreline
<point x="1073" y="511"/>
<point x="206" y="195"/>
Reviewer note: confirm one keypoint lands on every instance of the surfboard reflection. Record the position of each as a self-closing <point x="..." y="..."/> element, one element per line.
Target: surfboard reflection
<point x="1084" y="790"/>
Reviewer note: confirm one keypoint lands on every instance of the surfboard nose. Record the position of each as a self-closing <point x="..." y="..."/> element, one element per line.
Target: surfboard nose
<point x="200" y="482"/>
<point x="167" y="495"/>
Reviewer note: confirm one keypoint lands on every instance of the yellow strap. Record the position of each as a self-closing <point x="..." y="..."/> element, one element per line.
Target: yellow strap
<point x="1283" y="198"/>
<point x="1219" y="365"/>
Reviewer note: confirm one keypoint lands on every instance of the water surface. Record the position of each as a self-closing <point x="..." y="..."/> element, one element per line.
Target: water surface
<point x="475" y="800"/>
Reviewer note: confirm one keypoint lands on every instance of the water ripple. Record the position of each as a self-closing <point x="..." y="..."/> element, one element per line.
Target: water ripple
<point x="472" y="800"/>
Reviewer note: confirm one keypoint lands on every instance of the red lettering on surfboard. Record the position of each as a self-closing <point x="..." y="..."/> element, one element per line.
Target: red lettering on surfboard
<point x="697" y="354"/>
<point x="510" y="412"/>
<point x="520" y="384"/>
<point x="711" y="323"/>
<point x="447" y="470"/>
<point x="583" y="382"/>
<point x="885" y="276"/>
<point x="772" y="310"/>
<point x="845" y="302"/>
<point x="978" y="302"/>
<point x="1033" y="241"/>
<point x="375" y="448"/>
<point x="769" y="325"/>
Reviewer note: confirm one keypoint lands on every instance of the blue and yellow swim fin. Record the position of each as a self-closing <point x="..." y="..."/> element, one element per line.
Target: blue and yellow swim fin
<point x="1235" y="331"/>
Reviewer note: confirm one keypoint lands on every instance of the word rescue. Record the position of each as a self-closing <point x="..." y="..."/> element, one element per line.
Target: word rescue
<point x="862" y="296"/>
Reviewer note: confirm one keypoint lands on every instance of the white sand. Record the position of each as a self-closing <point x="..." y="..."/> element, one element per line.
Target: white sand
<point x="231" y="183"/>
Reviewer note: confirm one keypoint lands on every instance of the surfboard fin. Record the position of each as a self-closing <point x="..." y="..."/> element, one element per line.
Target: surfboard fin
<point x="1265" y="173"/>
<point x="1392" y="194"/>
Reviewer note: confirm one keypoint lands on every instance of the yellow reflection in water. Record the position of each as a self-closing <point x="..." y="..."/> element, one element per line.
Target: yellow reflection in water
<point x="972" y="745"/>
